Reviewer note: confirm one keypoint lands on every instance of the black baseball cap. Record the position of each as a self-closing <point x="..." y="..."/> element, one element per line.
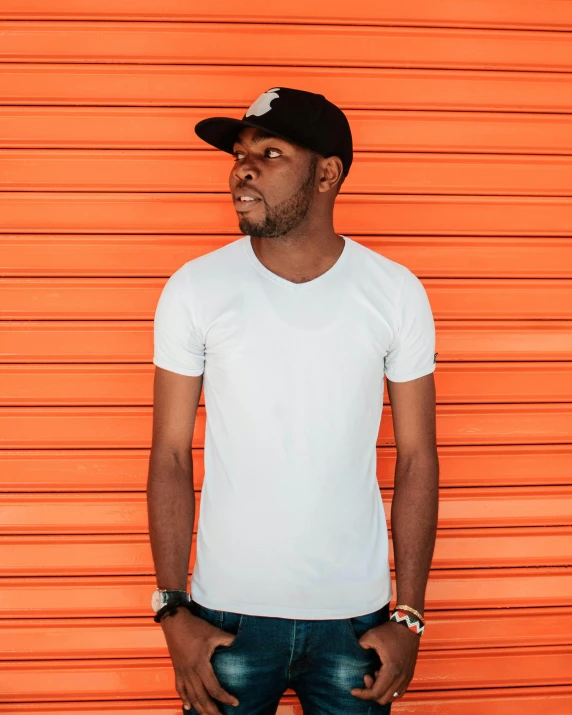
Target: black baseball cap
<point x="300" y="117"/>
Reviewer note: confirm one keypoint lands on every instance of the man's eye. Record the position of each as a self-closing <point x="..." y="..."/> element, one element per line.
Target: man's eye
<point x="236" y="153"/>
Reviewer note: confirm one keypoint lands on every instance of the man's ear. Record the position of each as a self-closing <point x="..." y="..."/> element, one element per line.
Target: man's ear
<point x="331" y="172"/>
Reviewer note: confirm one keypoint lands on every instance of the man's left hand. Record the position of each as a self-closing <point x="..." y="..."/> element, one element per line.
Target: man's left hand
<point x="397" y="648"/>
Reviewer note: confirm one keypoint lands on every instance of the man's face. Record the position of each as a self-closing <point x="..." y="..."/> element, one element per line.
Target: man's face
<point x="279" y="176"/>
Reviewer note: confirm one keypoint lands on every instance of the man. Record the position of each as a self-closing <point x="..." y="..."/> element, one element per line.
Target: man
<point x="292" y="327"/>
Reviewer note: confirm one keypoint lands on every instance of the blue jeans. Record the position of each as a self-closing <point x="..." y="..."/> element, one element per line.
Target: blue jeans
<point x="321" y="660"/>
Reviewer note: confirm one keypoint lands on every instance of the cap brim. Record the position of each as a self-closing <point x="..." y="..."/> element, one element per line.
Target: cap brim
<point x="221" y="132"/>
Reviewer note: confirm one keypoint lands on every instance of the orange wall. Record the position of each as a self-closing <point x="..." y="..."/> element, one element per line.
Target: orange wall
<point x="462" y="121"/>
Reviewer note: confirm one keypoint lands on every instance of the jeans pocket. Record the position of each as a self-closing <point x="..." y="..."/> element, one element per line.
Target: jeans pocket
<point x="358" y="625"/>
<point x="233" y="623"/>
<point x="211" y="615"/>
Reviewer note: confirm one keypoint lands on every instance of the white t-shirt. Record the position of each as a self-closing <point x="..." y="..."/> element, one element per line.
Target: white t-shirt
<point x="291" y="518"/>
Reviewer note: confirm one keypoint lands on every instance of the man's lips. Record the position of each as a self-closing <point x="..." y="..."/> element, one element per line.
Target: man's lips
<point x="243" y="206"/>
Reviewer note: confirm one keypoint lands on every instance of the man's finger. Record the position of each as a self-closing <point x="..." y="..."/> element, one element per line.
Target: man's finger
<point x="401" y="688"/>
<point x="201" y="699"/>
<point x="388" y="695"/>
<point x="379" y="686"/>
<point x="214" y="688"/>
<point x="185" y="696"/>
<point x="190" y="697"/>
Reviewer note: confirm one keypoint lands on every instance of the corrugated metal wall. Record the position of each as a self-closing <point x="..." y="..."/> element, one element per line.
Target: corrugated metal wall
<point x="462" y="119"/>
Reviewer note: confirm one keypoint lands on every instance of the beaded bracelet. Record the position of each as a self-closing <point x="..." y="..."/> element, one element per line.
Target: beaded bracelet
<point x="403" y="617"/>
<point x="411" y="610"/>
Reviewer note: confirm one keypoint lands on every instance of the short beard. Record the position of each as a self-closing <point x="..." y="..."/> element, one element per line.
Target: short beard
<point x="286" y="216"/>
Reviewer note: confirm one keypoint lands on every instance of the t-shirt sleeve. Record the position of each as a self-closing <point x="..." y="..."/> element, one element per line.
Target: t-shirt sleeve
<point x="177" y="342"/>
<point x="412" y="352"/>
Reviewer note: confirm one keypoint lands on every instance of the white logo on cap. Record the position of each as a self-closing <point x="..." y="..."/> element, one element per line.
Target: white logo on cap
<point x="262" y="104"/>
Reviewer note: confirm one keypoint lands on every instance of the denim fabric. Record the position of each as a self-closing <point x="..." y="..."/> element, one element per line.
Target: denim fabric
<point x="321" y="660"/>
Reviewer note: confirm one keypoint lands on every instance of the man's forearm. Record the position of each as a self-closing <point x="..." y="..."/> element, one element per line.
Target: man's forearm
<point x="414" y="512"/>
<point x="171" y="515"/>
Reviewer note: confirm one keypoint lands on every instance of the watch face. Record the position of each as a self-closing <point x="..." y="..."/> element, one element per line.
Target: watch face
<point x="156" y="600"/>
<point x="161" y="598"/>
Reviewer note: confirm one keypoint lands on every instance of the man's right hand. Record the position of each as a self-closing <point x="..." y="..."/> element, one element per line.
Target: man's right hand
<point x="191" y="642"/>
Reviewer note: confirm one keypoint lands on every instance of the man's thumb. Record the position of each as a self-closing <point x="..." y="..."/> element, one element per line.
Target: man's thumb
<point x="227" y="639"/>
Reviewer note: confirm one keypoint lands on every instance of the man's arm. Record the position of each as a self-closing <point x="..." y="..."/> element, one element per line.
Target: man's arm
<point x="171" y="512"/>
<point x="170" y="486"/>
<point x="414" y="507"/>
<point x="413" y="527"/>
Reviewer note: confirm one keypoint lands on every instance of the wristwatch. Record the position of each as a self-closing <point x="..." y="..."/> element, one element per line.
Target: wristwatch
<point x="164" y="596"/>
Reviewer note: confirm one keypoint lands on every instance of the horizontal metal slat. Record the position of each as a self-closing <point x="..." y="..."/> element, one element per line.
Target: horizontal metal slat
<point x="371" y="173"/>
<point x="97" y="341"/>
<point x="505" y="701"/>
<point x="97" y="513"/>
<point x="43" y="639"/>
<point x="136" y="298"/>
<point x="130" y="555"/>
<point x="88" y="385"/>
<point x="349" y="88"/>
<point x="372" y="130"/>
<point x="124" y="427"/>
<point x="501" y="13"/>
<point x="123" y="341"/>
<point x="108" y="679"/>
<point x="120" y="596"/>
<point x="512" y="382"/>
<point x="283" y="44"/>
<point x="170" y="213"/>
<point x="147" y="256"/>
<point x="105" y="514"/>
<point x="85" y="470"/>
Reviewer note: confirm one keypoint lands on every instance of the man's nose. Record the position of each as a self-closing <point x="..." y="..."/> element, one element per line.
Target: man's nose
<point x="246" y="169"/>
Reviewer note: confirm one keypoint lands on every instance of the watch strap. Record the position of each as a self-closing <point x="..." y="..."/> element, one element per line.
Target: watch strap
<point x="171" y="609"/>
